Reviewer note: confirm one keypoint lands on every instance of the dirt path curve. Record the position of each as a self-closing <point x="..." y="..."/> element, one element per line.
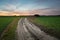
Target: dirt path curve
<point x="28" y="31"/>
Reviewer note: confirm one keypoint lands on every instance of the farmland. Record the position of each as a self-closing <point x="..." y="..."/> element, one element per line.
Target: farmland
<point x="7" y="27"/>
<point x="4" y="21"/>
<point x="49" y="24"/>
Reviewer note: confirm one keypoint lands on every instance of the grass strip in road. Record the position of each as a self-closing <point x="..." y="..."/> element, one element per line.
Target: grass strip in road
<point x="9" y="33"/>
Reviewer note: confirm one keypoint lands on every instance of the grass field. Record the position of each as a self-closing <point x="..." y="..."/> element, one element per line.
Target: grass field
<point x="4" y="21"/>
<point x="49" y="24"/>
<point x="7" y="27"/>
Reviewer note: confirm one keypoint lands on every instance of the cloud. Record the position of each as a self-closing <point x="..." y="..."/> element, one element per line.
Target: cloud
<point x="8" y="7"/>
<point x="25" y="7"/>
<point x="12" y="7"/>
<point x="47" y="11"/>
<point x="53" y="12"/>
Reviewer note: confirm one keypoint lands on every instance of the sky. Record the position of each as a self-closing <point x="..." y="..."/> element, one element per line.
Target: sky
<point x="21" y="5"/>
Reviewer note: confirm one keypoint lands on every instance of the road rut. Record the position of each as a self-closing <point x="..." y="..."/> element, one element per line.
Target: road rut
<point x="28" y="31"/>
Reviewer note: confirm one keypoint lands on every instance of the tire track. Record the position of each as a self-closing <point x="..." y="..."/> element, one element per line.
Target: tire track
<point x="22" y="31"/>
<point x="28" y="31"/>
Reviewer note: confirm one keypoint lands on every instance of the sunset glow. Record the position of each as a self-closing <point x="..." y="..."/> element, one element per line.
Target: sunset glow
<point x="29" y="7"/>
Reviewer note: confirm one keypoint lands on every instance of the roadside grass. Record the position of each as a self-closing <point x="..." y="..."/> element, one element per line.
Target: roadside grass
<point x="4" y="21"/>
<point x="9" y="32"/>
<point x="48" y="24"/>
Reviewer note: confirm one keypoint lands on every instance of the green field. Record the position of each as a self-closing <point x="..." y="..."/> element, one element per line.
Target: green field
<point x="8" y="24"/>
<point x="49" y="24"/>
<point x="4" y="21"/>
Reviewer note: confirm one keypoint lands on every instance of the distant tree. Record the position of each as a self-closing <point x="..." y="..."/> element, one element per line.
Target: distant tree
<point x="37" y="15"/>
<point x="58" y="15"/>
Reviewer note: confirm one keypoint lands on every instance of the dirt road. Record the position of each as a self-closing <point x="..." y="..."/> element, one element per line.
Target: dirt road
<point x="28" y="31"/>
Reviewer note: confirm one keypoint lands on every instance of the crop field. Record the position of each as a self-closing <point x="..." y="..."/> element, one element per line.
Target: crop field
<point x="4" y="21"/>
<point x="50" y="24"/>
<point x="8" y="24"/>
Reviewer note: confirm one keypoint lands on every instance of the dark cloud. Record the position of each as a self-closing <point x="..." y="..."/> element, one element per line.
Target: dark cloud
<point x="52" y="12"/>
<point x="47" y="11"/>
<point x="49" y="3"/>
